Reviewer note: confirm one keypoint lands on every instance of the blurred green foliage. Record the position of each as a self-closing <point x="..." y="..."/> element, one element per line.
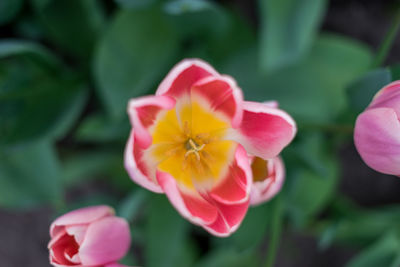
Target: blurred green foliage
<point x="69" y="68"/>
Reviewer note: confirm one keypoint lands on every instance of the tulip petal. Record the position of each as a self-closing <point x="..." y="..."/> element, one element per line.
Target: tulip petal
<point x="388" y="97"/>
<point x="80" y="216"/>
<point x="218" y="211"/>
<point x="390" y="88"/>
<point x="106" y="241"/>
<point x="222" y="95"/>
<point x="266" y="188"/>
<point x="377" y="139"/>
<point x="236" y="186"/>
<point x="181" y="78"/>
<point x="229" y="220"/>
<point x="62" y="249"/>
<point x="264" y="131"/>
<point x="136" y="167"/>
<point x="78" y="231"/>
<point x="198" y="212"/>
<point x="143" y="112"/>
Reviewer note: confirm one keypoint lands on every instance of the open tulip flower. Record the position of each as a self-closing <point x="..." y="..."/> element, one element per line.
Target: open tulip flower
<point x="377" y="131"/>
<point x="91" y="237"/>
<point x="191" y="140"/>
<point x="268" y="178"/>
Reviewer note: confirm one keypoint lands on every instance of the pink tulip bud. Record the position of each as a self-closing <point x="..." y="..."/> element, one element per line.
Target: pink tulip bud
<point x="91" y="236"/>
<point x="268" y="178"/>
<point x="377" y="131"/>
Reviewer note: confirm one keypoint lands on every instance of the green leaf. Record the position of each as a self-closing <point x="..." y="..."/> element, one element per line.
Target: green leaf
<point x="14" y="47"/>
<point x="395" y="71"/>
<point x="35" y="107"/>
<point x="99" y="128"/>
<point x="187" y="6"/>
<point x="130" y="206"/>
<point x="9" y="9"/>
<point x="288" y="28"/>
<point x="358" y="226"/>
<point x="363" y="89"/>
<point x="166" y="234"/>
<point x="29" y="176"/>
<point x="310" y="189"/>
<point x="188" y="18"/>
<point x="38" y="98"/>
<point x="74" y="25"/>
<point x="86" y="165"/>
<point x="134" y="54"/>
<point x="253" y="229"/>
<point x="384" y="252"/>
<point x="228" y="257"/>
<point x="137" y="4"/>
<point x="312" y="90"/>
<point x="208" y="38"/>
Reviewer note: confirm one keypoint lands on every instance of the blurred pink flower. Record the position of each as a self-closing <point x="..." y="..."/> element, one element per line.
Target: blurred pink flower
<point x="90" y="236"/>
<point x="377" y="131"/>
<point x="190" y="141"/>
<point x="268" y="178"/>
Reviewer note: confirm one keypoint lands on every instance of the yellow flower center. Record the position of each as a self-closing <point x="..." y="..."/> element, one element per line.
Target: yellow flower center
<point x="188" y="143"/>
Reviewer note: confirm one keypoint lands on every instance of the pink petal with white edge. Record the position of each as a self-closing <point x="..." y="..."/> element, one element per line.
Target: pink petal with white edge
<point x="143" y="112"/>
<point x="264" y="131"/>
<point x="223" y="95"/>
<point x="271" y="104"/>
<point x="106" y="241"/>
<point x="377" y="139"/>
<point x="229" y="219"/>
<point x="175" y="196"/>
<point x="80" y="216"/>
<point x="235" y="187"/>
<point x="181" y="78"/>
<point x="136" y="168"/>
<point x="217" y="211"/>
<point x="262" y="191"/>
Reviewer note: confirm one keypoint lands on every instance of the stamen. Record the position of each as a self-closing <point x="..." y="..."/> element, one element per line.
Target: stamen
<point x="192" y="147"/>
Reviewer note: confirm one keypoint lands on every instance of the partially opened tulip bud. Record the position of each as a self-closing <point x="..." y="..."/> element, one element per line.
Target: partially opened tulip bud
<point x="377" y="131"/>
<point x="268" y="178"/>
<point x="191" y="139"/>
<point x="91" y="236"/>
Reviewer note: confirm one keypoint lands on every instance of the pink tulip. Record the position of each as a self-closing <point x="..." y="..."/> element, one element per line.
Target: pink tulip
<point x="268" y="178"/>
<point x="191" y="139"/>
<point x="90" y="236"/>
<point x="377" y="131"/>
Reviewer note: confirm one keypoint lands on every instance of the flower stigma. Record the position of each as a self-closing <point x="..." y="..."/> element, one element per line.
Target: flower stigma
<point x="192" y="147"/>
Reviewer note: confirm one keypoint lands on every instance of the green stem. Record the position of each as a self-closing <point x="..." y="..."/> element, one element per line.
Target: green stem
<point x="276" y="228"/>
<point x="387" y="42"/>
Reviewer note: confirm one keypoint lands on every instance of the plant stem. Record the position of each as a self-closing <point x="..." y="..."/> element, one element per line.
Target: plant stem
<point x="276" y="228"/>
<point x="387" y="42"/>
